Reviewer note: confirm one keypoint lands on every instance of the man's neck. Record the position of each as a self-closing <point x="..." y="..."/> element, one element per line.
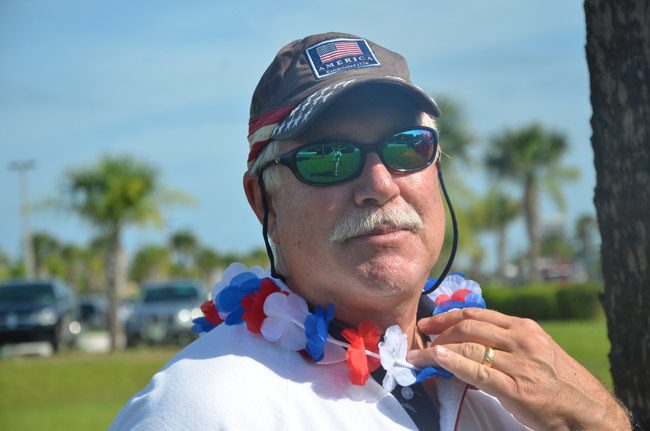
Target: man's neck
<point x="404" y="314"/>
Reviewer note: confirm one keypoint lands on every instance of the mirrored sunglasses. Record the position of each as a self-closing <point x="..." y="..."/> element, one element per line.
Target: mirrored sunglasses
<point x="335" y="161"/>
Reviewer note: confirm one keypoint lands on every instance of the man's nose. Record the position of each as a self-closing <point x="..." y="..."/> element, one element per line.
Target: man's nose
<point x="375" y="186"/>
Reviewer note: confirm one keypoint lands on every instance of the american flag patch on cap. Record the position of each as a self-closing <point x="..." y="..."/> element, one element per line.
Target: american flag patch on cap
<point x="337" y="55"/>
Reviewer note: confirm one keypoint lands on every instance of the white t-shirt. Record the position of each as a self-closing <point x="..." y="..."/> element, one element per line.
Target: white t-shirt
<point x="231" y="379"/>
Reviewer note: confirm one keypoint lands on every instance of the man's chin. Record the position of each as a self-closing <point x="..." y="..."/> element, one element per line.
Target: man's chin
<point x="391" y="273"/>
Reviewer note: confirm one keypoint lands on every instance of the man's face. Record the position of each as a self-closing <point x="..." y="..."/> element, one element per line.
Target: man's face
<point x="379" y="269"/>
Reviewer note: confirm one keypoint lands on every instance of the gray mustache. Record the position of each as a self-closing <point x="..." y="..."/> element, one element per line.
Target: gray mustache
<point x="365" y="220"/>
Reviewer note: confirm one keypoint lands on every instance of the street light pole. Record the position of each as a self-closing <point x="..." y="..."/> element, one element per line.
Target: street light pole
<point x="22" y="166"/>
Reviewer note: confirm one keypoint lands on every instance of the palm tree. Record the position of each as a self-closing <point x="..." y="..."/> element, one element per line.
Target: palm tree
<point x="456" y="142"/>
<point x="184" y="246"/>
<point x="586" y="229"/>
<point x="619" y="70"/>
<point x="211" y="264"/>
<point x="150" y="263"/>
<point x="495" y="213"/>
<point x="46" y="248"/>
<point x="456" y="137"/>
<point x="75" y="259"/>
<point x="586" y="238"/>
<point x="95" y="264"/>
<point x="5" y="265"/>
<point x="114" y="193"/>
<point x="531" y="156"/>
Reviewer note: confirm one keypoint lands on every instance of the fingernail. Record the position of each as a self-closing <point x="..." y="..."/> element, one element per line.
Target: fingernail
<point x="441" y="352"/>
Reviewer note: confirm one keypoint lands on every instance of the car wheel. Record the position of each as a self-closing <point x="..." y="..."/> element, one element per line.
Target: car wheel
<point x="131" y="340"/>
<point x="55" y="338"/>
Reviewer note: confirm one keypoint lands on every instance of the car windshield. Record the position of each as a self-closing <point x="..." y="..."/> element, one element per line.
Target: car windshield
<point x="36" y="293"/>
<point x="170" y="294"/>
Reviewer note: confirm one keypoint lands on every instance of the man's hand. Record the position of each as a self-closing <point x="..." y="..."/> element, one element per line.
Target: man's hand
<point x="531" y="375"/>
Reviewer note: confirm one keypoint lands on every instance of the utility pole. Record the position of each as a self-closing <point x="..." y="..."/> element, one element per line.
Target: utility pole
<point x="22" y="166"/>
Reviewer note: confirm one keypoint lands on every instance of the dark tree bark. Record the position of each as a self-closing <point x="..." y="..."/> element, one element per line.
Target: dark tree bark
<point x="618" y="55"/>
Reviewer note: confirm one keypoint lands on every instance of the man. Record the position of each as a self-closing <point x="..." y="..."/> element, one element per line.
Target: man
<point x="344" y="175"/>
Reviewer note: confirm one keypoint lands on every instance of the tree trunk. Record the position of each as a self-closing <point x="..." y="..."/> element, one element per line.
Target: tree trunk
<point x="114" y="285"/>
<point x="618" y="55"/>
<point x="531" y="211"/>
<point x="503" y="260"/>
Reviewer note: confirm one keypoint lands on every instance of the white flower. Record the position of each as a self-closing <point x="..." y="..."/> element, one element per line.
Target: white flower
<point x="233" y="270"/>
<point x="282" y="312"/>
<point x="393" y="351"/>
<point x="453" y="283"/>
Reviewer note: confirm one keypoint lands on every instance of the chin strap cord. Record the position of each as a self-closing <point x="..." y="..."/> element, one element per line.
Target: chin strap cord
<point x="265" y="229"/>
<point x="454" y="244"/>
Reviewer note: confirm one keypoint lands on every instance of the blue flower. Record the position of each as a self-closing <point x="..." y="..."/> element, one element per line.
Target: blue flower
<point x="475" y="300"/>
<point x="229" y="299"/>
<point x="430" y="372"/>
<point x="201" y="324"/>
<point x="429" y="283"/>
<point x="316" y="326"/>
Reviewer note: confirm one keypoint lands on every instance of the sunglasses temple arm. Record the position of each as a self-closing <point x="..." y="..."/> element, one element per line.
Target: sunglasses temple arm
<point x="454" y="245"/>
<point x="265" y="229"/>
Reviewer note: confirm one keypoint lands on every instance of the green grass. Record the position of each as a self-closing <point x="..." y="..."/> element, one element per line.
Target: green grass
<point x="587" y="342"/>
<point x="72" y="391"/>
<point x="75" y="391"/>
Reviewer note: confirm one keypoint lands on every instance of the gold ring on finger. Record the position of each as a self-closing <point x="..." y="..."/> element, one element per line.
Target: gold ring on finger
<point x="488" y="358"/>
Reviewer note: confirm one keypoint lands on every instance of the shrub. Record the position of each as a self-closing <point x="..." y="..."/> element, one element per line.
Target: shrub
<point x="545" y="302"/>
<point x="579" y="302"/>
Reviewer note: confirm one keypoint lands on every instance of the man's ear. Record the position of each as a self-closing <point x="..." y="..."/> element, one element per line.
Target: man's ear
<point x="254" y="196"/>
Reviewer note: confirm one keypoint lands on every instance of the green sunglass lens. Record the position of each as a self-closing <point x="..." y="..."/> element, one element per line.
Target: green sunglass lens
<point x="410" y="150"/>
<point x="328" y="163"/>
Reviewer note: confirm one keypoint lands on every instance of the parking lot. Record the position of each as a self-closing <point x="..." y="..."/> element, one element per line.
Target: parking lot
<point x="95" y="341"/>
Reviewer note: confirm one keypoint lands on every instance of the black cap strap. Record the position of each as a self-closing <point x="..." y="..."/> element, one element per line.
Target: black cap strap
<point x="454" y="243"/>
<point x="265" y="229"/>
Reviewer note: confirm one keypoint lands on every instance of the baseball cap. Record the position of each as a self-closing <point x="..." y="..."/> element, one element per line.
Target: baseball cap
<point x="308" y="75"/>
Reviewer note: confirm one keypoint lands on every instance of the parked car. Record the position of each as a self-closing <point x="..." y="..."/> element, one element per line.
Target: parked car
<point x="164" y="313"/>
<point x="37" y="310"/>
<point x="93" y="311"/>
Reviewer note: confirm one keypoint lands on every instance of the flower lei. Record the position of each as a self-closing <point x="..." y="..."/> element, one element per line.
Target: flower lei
<point x="270" y="309"/>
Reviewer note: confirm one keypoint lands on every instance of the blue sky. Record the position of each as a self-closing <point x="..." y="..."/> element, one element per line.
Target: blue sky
<point x="170" y="82"/>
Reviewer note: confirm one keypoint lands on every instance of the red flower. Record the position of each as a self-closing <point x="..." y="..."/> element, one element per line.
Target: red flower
<point x="460" y="294"/>
<point x="253" y="305"/>
<point x="441" y="299"/>
<point x="366" y="338"/>
<point x="211" y="314"/>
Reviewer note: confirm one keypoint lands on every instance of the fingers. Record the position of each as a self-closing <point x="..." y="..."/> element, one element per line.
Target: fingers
<point x="488" y="379"/>
<point x="426" y="357"/>
<point x="503" y="361"/>
<point x="438" y="323"/>
<point x="476" y="331"/>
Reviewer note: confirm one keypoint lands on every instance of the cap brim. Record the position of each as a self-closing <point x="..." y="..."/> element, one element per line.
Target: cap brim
<point x="303" y="115"/>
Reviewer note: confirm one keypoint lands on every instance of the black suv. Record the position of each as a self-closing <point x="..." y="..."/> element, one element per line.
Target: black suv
<point x="36" y="310"/>
<point x="164" y="312"/>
